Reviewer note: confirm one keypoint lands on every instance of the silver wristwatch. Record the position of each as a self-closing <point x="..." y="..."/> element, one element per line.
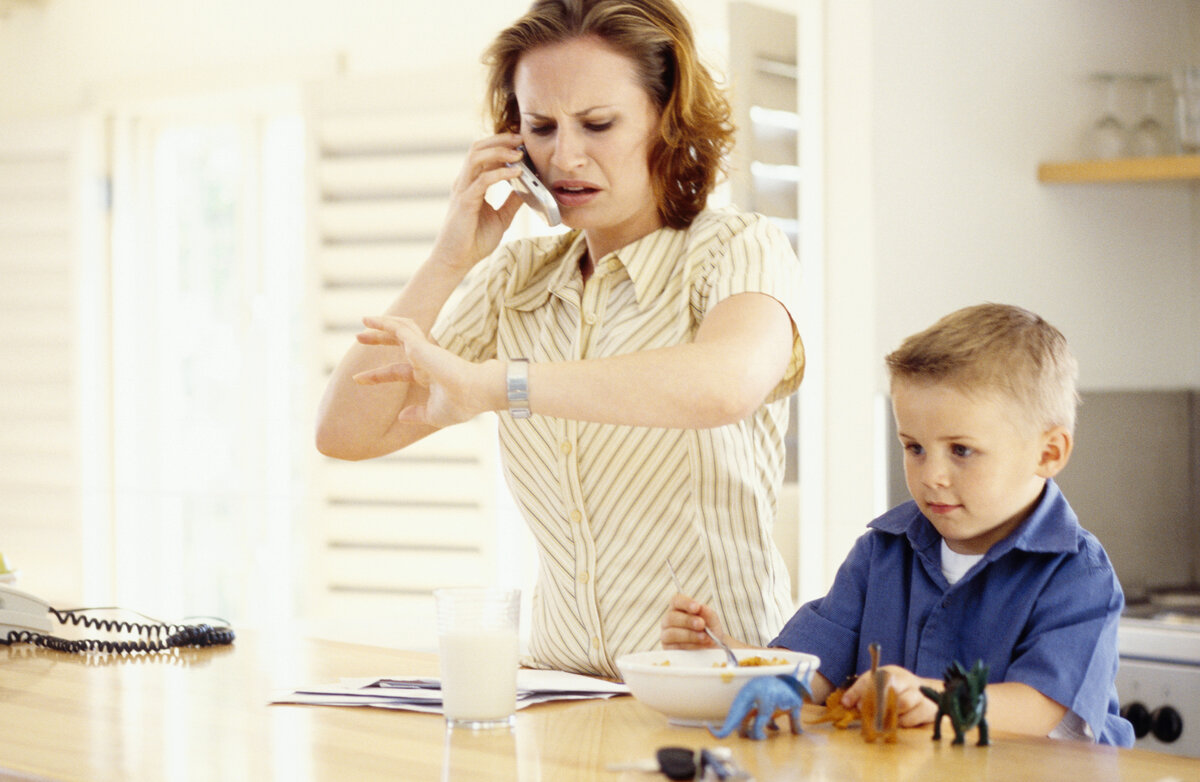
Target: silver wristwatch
<point x="517" y="383"/>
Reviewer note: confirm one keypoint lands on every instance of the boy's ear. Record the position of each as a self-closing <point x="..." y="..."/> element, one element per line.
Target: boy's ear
<point x="1056" y="451"/>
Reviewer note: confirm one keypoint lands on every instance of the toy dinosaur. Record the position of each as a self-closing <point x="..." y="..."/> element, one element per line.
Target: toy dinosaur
<point x="835" y="712"/>
<point x="875" y="722"/>
<point x="761" y="700"/>
<point x="880" y="716"/>
<point x="963" y="700"/>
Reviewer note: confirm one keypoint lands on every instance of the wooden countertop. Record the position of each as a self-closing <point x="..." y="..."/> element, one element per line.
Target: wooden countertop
<point x="204" y="714"/>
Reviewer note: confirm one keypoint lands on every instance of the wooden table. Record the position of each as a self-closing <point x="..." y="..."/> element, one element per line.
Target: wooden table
<point x="204" y="715"/>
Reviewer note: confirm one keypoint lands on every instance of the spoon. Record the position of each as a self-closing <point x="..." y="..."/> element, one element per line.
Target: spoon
<point x="733" y="660"/>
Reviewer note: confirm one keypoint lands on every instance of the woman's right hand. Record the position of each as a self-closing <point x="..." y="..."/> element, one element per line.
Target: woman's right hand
<point x="473" y="228"/>
<point x="684" y="622"/>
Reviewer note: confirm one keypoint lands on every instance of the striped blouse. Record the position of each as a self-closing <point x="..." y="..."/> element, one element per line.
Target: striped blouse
<point x="608" y="505"/>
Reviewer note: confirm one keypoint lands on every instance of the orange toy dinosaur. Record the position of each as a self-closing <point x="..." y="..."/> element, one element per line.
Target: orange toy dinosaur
<point x="835" y="712"/>
<point x="880" y="716"/>
<point x="875" y="722"/>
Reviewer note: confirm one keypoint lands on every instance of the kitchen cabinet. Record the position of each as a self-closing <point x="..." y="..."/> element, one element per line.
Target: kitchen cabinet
<point x="1139" y="169"/>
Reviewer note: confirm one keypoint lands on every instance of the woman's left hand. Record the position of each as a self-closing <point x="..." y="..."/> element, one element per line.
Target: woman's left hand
<point x="458" y="390"/>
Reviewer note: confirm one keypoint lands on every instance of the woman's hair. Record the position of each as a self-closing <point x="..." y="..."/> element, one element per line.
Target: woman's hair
<point x="996" y="348"/>
<point x="695" y="130"/>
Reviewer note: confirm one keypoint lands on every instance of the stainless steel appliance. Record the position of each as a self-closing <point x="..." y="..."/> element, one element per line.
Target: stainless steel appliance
<point x="1159" y="676"/>
<point x="1134" y="480"/>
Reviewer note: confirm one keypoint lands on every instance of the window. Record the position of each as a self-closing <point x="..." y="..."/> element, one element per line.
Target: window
<point x="207" y="396"/>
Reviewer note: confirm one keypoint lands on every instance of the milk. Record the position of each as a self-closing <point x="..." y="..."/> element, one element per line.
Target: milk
<point x="479" y="674"/>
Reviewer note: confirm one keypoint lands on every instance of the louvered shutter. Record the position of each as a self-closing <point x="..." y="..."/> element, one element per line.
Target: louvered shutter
<point x="385" y="532"/>
<point x="41" y="519"/>
<point x="765" y="177"/>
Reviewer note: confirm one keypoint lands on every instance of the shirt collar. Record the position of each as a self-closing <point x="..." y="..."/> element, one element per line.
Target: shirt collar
<point x="548" y="267"/>
<point x="1052" y="527"/>
<point x="568" y="265"/>
<point x="651" y="261"/>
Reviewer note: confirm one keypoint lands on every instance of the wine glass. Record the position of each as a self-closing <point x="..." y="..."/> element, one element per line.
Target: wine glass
<point x="1107" y="137"/>
<point x="1187" y="108"/>
<point x="1149" y="137"/>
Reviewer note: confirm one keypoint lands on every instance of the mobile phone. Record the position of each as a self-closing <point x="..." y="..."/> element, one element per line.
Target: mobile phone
<point x="534" y="193"/>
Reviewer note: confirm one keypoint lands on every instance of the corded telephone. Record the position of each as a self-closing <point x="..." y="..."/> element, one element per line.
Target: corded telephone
<point x="26" y="619"/>
<point x="21" y="611"/>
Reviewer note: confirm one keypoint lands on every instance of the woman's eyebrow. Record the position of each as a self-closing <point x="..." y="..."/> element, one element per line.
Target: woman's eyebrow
<point x="580" y="113"/>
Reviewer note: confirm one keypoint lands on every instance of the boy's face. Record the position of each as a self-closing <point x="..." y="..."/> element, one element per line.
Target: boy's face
<point x="974" y="464"/>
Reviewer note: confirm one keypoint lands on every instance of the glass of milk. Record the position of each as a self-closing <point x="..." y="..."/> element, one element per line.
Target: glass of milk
<point x="477" y="641"/>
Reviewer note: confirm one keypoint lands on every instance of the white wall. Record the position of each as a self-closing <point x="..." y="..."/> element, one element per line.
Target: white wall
<point x="53" y="56"/>
<point x="59" y="54"/>
<point x="938" y="113"/>
<point x="969" y="98"/>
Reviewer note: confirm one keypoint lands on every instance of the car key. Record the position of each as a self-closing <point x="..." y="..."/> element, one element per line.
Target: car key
<point x="674" y="762"/>
<point x="718" y="764"/>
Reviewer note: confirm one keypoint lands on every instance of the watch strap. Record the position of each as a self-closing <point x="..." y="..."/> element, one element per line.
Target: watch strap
<point x="517" y="385"/>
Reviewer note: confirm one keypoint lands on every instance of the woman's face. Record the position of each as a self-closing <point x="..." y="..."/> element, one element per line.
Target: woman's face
<point x="589" y="125"/>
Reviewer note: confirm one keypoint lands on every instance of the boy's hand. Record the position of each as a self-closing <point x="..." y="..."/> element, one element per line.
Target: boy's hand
<point x="913" y="707"/>
<point x="684" y="622"/>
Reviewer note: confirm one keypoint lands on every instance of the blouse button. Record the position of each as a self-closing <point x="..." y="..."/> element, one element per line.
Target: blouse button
<point x="565" y="446"/>
<point x="583" y="577"/>
<point x="576" y="516"/>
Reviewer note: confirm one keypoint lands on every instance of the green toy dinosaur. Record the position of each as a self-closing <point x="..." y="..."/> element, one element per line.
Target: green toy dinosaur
<point x="963" y="700"/>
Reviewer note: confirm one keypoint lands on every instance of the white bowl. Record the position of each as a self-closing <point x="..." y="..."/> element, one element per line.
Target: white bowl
<point x="694" y="687"/>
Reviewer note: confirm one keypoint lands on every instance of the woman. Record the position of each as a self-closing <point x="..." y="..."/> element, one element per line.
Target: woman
<point x="644" y="357"/>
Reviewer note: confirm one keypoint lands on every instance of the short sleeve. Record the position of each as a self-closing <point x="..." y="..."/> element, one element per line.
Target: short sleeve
<point x="755" y="256"/>
<point x="829" y="627"/>
<point x="1069" y="652"/>
<point x="468" y="328"/>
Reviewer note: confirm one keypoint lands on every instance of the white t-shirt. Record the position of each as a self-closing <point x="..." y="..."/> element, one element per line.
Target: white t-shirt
<point x="955" y="565"/>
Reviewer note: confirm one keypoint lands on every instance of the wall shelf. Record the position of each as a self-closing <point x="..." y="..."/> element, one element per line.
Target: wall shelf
<point x="1135" y="169"/>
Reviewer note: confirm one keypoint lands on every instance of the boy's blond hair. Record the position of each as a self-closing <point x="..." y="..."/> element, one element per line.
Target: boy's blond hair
<point x="1001" y="348"/>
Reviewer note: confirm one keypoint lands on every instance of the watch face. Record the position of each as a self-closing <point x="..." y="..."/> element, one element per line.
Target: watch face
<point x="517" y="386"/>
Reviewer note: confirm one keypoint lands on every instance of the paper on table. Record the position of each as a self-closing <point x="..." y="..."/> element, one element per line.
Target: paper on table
<point x="425" y="695"/>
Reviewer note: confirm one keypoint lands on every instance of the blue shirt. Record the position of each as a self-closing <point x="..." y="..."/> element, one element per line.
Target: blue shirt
<point x="1041" y="607"/>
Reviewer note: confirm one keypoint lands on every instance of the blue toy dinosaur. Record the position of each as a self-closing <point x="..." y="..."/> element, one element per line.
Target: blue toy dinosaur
<point x="963" y="700"/>
<point x="763" y="699"/>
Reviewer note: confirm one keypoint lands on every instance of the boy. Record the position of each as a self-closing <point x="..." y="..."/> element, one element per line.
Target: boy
<point x="988" y="561"/>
